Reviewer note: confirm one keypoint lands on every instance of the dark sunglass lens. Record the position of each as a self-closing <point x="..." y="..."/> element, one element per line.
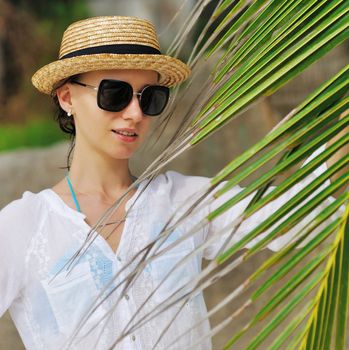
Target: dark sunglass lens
<point x="114" y="95"/>
<point x="154" y="99"/>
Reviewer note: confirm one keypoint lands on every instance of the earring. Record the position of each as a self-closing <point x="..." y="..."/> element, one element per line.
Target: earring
<point x="69" y="113"/>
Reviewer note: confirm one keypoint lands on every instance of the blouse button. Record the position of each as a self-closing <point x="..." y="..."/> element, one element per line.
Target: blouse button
<point x="133" y="337"/>
<point x="127" y="297"/>
<point x="119" y="259"/>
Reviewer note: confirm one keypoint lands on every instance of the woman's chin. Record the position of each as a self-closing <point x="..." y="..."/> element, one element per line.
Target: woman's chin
<point x="122" y="155"/>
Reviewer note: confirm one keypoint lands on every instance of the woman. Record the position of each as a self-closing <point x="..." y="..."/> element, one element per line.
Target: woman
<point x="109" y="82"/>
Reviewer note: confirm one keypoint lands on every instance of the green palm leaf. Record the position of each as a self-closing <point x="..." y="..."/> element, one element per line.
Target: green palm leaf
<point x="259" y="46"/>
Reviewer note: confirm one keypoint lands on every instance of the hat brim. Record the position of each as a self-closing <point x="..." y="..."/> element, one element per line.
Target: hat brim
<point x="172" y="71"/>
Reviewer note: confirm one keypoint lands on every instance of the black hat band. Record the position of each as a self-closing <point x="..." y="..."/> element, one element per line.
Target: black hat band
<point x="120" y="49"/>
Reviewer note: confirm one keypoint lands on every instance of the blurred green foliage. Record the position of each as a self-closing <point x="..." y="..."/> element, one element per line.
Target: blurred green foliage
<point x="30" y="37"/>
<point x="35" y="133"/>
<point x="58" y="14"/>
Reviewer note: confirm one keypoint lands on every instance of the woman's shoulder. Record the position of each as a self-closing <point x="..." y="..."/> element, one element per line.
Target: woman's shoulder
<point x="178" y="185"/>
<point x="174" y="178"/>
<point x="24" y="212"/>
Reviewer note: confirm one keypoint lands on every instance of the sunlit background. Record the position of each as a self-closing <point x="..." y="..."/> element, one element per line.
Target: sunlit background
<point x="32" y="147"/>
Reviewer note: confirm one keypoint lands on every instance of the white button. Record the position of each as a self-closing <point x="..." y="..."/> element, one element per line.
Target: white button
<point x="133" y="337"/>
<point x="127" y="297"/>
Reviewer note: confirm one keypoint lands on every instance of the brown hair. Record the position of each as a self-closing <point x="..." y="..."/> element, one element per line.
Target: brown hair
<point x="65" y="122"/>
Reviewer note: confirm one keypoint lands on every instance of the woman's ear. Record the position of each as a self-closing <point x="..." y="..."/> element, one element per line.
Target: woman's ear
<point x="64" y="97"/>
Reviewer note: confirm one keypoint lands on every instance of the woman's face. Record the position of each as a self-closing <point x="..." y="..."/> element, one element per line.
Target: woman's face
<point x="101" y="130"/>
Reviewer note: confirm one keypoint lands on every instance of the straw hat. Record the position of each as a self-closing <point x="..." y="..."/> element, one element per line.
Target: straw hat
<point x="109" y="42"/>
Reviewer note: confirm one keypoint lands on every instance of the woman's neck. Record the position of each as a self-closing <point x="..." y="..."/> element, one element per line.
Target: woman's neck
<point x="99" y="176"/>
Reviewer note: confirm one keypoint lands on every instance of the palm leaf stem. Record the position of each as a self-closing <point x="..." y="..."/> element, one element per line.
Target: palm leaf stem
<point x="294" y="343"/>
<point x="333" y="304"/>
<point x="338" y="242"/>
<point x="328" y="314"/>
<point x="342" y="306"/>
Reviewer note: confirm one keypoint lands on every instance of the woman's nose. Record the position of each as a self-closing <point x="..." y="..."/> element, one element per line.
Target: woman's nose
<point x="133" y="110"/>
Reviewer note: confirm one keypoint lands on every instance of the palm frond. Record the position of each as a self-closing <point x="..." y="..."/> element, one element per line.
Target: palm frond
<point x="259" y="46"/>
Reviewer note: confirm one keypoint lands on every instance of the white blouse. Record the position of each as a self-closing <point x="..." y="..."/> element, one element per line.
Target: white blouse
<point x="39" y="234"/>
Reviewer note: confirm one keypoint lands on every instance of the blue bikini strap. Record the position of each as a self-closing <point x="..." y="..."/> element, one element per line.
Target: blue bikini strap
<point x="73" y="193"/>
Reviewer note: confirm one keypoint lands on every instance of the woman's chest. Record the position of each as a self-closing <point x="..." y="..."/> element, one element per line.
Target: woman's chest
<point x="68" y="284"/>
<point x="143" y="241"/>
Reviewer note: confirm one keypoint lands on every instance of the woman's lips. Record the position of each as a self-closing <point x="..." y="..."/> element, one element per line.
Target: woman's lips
<point x="123" y="137"/>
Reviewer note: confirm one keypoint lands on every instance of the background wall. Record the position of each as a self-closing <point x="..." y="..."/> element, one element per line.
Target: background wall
<point x="33" y="169"/>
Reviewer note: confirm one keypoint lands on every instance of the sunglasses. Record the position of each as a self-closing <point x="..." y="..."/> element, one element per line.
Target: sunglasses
<point x="115" y="95"/>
